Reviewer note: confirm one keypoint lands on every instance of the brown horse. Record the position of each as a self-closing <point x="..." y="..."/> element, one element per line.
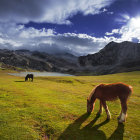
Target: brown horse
<point x="110" y="92"/>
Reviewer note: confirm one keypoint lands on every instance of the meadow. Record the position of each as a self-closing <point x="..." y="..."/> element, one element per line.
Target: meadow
<point x="55" y="108"/>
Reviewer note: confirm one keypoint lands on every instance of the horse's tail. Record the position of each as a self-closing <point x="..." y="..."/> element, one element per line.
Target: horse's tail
<point x="130" y="90"/>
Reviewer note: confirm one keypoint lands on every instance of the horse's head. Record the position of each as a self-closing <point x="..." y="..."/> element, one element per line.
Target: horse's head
<point x="90" y="106"/>
<point x="26" y="78"/>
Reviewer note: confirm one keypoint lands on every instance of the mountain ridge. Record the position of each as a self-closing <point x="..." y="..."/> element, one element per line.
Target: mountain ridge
<point x="36" y="60"/>
<point x="113" y="58"/>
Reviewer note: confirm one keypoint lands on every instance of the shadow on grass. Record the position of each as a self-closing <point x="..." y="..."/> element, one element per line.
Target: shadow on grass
<point x="89" y="132"/>
<point x="19" y="81"/>
<point x="118" y="133"/>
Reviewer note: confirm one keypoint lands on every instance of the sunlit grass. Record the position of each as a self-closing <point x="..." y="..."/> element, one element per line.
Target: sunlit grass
<point x="55" y="107"/>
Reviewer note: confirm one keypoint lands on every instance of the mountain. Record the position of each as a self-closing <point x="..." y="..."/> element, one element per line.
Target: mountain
<point x="113" y="58"/>
<point x="38" y="60"/>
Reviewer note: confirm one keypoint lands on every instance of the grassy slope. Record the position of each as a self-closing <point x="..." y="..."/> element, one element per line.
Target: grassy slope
<point x="56" y="107"/>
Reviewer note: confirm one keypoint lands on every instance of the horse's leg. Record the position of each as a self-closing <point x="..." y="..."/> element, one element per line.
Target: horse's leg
<point x="120" y="112"/>
<point x="119" y="115"/>
<point x="101" y="108"/>
<point x="124" y="110"/>
<point x="106" y="109"/>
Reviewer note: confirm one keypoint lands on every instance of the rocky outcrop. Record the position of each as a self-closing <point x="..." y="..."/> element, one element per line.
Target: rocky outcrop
<point x="113" y="58"/>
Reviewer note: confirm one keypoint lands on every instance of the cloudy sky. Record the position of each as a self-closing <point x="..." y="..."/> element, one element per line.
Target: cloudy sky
<point x="76" y="26"/>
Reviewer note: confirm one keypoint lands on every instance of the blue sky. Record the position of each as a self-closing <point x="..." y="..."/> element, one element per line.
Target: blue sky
<point x="98" y="24"/>
<point x="75" y="26"/>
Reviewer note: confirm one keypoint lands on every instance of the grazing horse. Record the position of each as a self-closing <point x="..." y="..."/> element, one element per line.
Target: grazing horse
<point x="110" y="92"/>
<point x="29" y="76"/>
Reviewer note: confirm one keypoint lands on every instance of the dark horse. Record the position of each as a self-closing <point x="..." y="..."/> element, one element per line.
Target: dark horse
<point x="29" y="76"/>
<point x="110" y="92"/>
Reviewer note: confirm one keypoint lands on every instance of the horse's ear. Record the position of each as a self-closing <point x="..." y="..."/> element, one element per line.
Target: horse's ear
<point x="87" y="99"/>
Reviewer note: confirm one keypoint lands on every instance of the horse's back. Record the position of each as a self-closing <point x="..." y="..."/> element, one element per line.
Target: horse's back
<point x="113" y="91"/>
<point x="28" y="76"/>
<point x="31" y="75"/>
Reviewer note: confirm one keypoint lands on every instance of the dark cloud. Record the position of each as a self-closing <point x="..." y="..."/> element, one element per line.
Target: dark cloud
<point x="74" y="39"/>
<point x="19" y="37"/>
<point x="53" y="11"/>
<point x="15" y="36"/>
<point x="21" y="10"/>
<point x="62" y="44"/>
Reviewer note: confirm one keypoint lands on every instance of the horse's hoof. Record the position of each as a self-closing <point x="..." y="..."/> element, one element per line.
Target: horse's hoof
<point x="118" y="117"/>
<point x="121" y="121"/>
<point x="108" y="118"/>
<point x="98" y="113"/>
<point x="88" y="113"/>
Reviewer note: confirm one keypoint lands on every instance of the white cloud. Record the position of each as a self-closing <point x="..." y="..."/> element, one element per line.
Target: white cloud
<point x="53" y="11"/>
<point x="129" y="31"/>
<point x="47" y="40"/>
<point x="114" y="31"/>
<point x="15" y="36"/>
<point x="104" y="10"/>
<point x="32" y="32"/>
<point x="110" y="13"/>
<point x="123" y="18"/>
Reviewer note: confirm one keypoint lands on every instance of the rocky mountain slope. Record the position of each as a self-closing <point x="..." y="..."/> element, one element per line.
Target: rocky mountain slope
<point x="38" y="60"/>
<point x="113" y="58"/>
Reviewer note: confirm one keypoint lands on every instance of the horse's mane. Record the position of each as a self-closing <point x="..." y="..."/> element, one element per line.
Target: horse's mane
<point x="92" y="92"/>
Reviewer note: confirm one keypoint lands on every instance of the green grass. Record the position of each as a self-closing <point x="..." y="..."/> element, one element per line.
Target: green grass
<point x="55" y="107"/>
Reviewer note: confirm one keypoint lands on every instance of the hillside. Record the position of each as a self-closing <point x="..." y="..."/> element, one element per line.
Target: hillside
<point x="113" y="58"/>
<point x="38" y="60"/>
<point x="55" y="108"/>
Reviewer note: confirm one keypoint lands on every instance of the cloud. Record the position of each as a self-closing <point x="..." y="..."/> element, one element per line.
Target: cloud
<point x="114" y="31"/>
<point x="123" y="18"/>
<point x="13" y="36"/>
<point x="47" y="40"/>
<point x="110" y="13"/>
<point x="131" y="29"/>
<point x="129" y="32"/>
<point x="52" y="11"/>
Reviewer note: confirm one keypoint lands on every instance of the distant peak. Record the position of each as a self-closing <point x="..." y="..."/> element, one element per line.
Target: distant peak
<point x="112" y="42"/>
<point x="22" y="50"/>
